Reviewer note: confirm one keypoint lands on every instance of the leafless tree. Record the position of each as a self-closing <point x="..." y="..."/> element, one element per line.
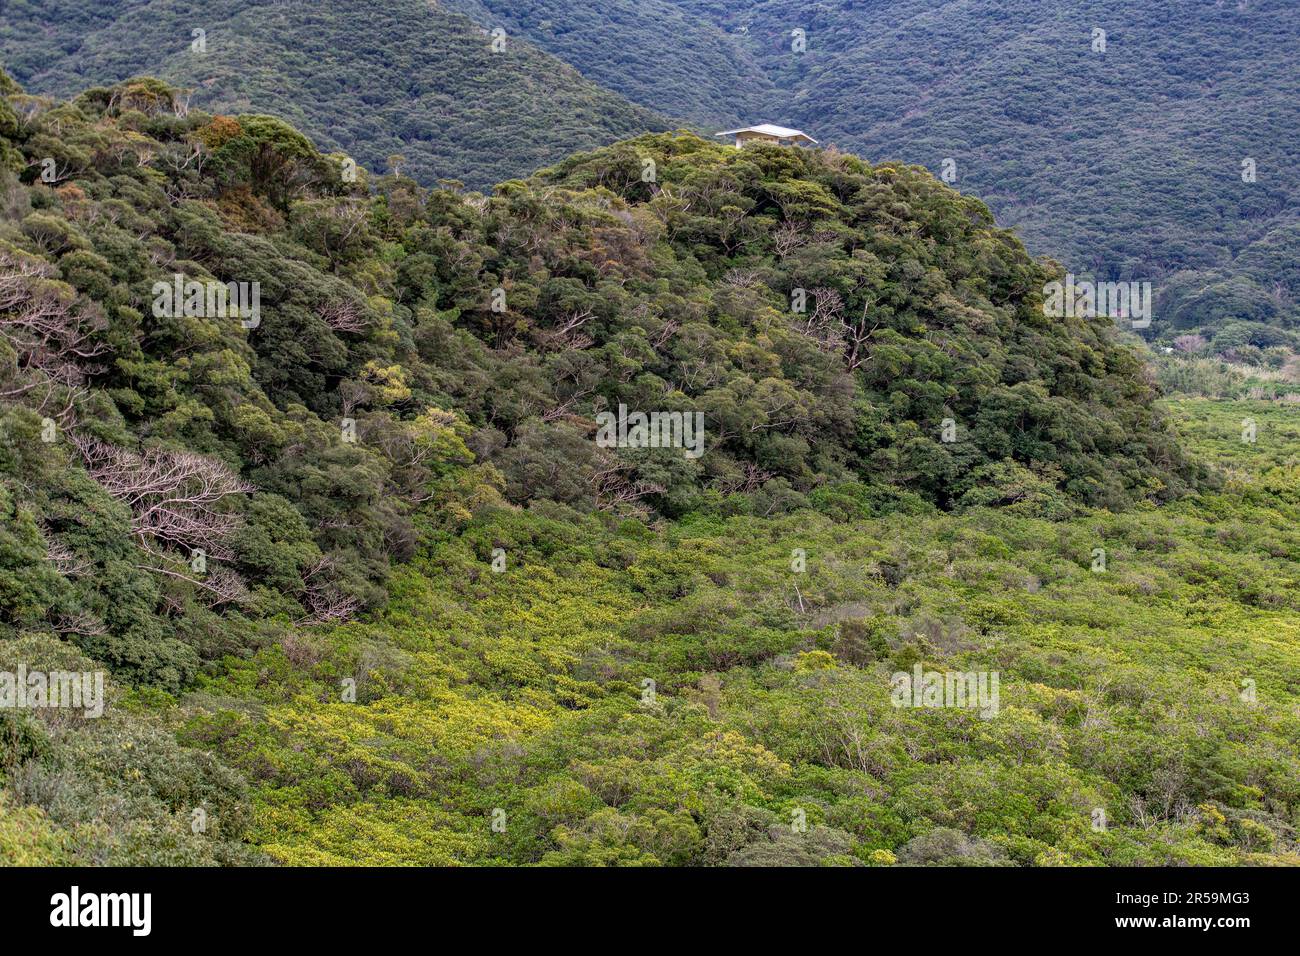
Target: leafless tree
<point x="217" y="586"/>
<point x="568" y="334"/>
<point x="346" y="315"/>
<point x="325" y="602"/>
<point x="350" y="215"/>
<point x="81" y="623"/>
<point x="788" y="237"/>
<point x="670" y="328"/>
<point x="175" y="497"/>
<point x="184" y="155"/>
<point x="181" y="102"/>
<point x="53" y="334"/>
<point x="856" y="336"/>
<point x="176" y="503"/>
<point x="615" y="490"/>
<point x="749" y="479"/>
<point x="741" y="278"/>
<point x="824" y="324"/>
<point x="60" y="175"/>
<point x="62" y="557"/>
<point x="827" y="326"/>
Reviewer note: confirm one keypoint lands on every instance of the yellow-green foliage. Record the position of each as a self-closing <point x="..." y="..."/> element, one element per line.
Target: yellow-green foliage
<point x="27" y="838"/>
<point x="676" y="697"/>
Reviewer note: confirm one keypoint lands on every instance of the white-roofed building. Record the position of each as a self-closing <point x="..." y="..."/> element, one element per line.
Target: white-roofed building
<point x="768" y="133"/>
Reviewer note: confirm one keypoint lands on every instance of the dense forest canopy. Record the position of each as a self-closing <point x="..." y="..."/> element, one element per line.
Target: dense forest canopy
<point x="1128" y="140"/>
<point x="853" y="337"/>
<point x="366" y="582"/>
<point x="1159" y="149"/>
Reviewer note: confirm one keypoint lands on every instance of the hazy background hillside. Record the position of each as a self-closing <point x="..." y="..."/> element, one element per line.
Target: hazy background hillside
<point x="1125" y="163"/>
<point x="370" y="79"/>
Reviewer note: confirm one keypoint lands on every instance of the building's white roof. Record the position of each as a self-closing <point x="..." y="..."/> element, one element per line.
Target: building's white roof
<point x="767" y="129"/>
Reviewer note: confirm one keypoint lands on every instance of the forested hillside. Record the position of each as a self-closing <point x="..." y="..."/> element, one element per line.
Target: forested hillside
<point x="1126" y="162"/>
<point x="654" y="52"/>
<point x="1123" y="163"/>
<point x="626" y="697"/>
<point x="369" y="591"/>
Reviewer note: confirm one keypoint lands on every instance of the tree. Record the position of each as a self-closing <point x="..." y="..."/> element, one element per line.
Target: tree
<point x="177" y="498"/>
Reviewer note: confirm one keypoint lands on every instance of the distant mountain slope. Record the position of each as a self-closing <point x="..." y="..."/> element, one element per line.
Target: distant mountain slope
<point x="651" y="51"/>
<point x="372" y="79"/>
